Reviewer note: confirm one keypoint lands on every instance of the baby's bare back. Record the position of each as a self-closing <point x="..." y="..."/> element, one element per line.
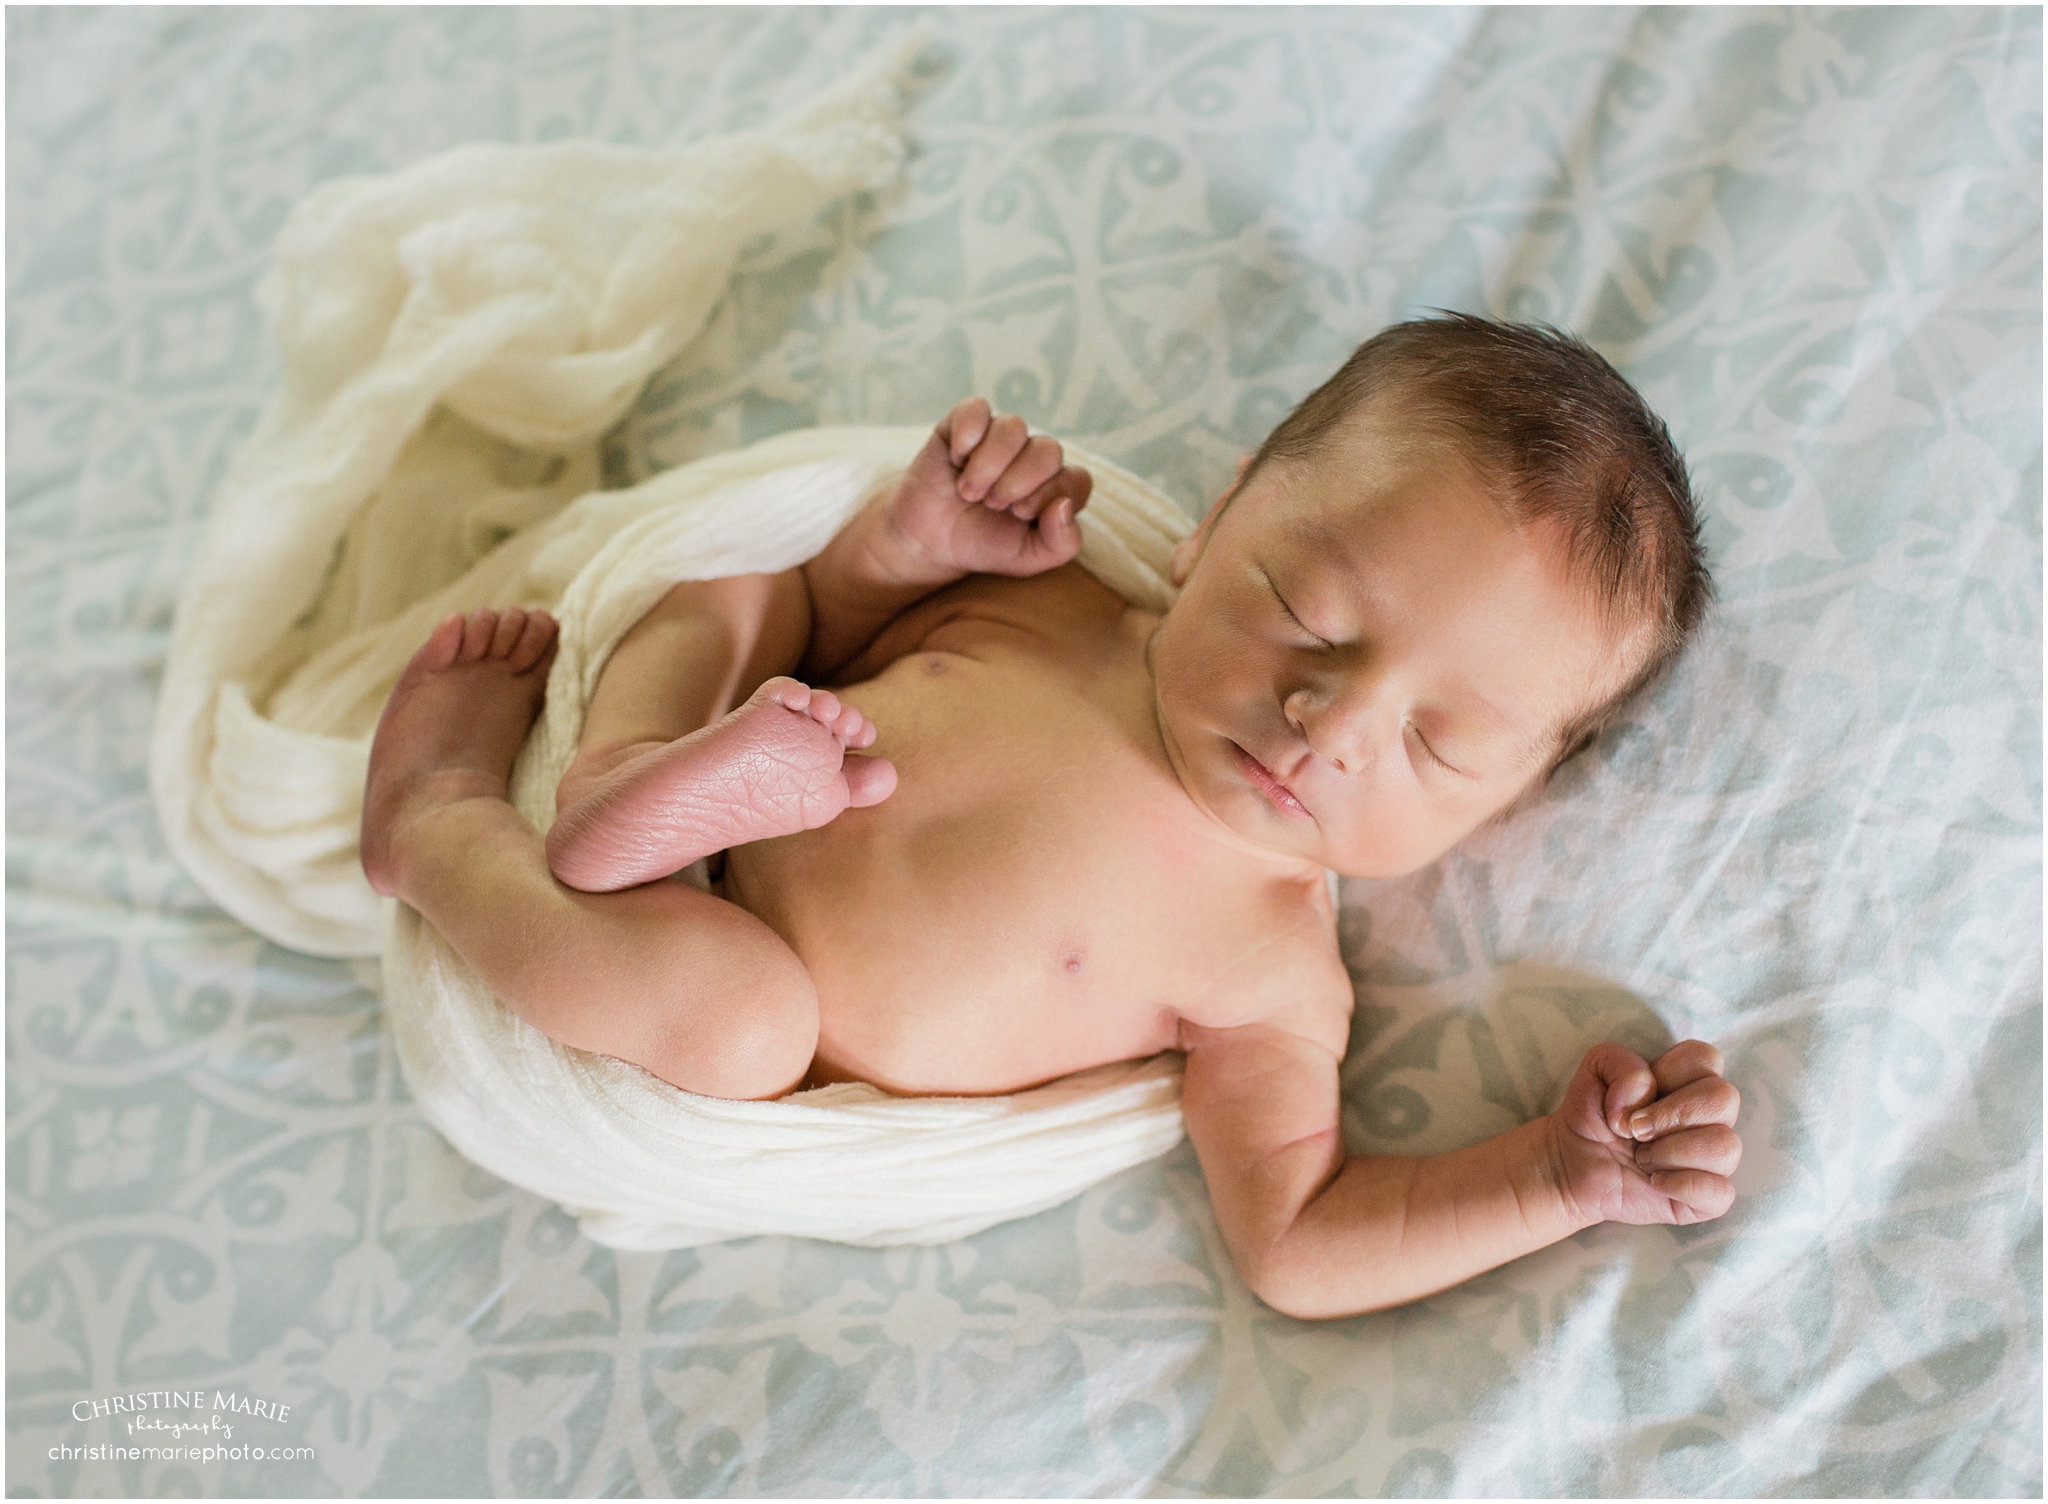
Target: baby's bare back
<point x="1039" y="895"/>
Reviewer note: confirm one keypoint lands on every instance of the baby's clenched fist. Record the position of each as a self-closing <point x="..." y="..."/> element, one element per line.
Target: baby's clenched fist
<point x="1645" y="1141"/>
<point x="987" y="496"/>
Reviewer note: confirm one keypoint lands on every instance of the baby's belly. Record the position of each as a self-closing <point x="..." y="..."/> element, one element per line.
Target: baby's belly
<point x="1001" y="919"/>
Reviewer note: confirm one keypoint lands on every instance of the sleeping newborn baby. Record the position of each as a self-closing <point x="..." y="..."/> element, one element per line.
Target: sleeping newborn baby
<point x="1031" y="828"/>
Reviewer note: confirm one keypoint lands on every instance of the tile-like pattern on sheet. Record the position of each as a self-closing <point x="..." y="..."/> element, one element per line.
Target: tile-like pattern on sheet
<point x="1813" y="239"/>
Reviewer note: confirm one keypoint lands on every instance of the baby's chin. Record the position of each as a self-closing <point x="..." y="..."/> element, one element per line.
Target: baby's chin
<point x="1308" y="843"/>
<point x="1385" y="866"/>
<point x="1287" y="845"/>
<point x="1361" y="858"/>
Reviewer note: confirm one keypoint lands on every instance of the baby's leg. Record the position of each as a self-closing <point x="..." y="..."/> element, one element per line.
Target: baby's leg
<point x="690" y="987"/>
<point x="702" y="649"/>
<point x="667" y="771"/>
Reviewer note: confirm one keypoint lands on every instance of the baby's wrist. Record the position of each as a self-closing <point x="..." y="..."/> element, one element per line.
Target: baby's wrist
<point x="896" y="558"/>
<point x="873" y="562"/>
<point x="1554" y="1164"/>
<point x="859" y="582"/>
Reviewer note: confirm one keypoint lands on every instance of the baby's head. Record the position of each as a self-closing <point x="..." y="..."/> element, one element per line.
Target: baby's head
<point x="1437" y="579"/>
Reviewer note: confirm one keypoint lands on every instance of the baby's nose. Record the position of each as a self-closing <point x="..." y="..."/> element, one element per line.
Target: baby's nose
<point x="1337" y="723"/>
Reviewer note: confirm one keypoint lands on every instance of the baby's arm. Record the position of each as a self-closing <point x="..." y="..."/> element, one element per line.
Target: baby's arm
<point x="1315" y="1234"/>
<point x="983" y="496"/>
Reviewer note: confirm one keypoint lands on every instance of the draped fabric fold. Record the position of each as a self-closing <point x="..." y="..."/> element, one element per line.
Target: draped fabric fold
<point x="456" y="339"/>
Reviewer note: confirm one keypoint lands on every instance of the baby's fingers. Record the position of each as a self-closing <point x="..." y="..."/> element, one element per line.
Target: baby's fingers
<point x="1611" y="1082"/>
<point x="1072" y="483"/>
<point x="1685" y="1063"/>
<point x="1056" y="536"/>
<point x="1025" y="488"/>
<point x="1695" y="1195"/>
<point x="1714" y="1148"/>
<point x="962" y="428"/>
<point x="1001" y="444"/>
<point x="1708" y="1100"/>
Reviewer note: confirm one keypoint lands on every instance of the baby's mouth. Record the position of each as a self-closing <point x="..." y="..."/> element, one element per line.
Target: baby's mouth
<point x="1262" y="779"/>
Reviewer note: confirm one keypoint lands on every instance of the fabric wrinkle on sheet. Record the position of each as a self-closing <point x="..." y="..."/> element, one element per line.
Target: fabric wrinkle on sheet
<point x="457" y="337"/>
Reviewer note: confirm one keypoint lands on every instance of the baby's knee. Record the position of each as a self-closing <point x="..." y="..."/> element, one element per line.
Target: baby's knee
<point x="766" y="1031"/>
<point x="770" y="1041"/>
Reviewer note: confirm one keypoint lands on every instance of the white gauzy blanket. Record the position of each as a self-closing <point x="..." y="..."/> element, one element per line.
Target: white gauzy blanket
<point x="456" y="339"/>
<point x="648" y="1166"/>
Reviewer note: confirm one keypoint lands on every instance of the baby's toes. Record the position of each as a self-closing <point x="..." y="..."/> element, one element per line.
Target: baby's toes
<point x="869" y="780"/>
<point x="790" y="694"/>
<point x="533" y="642"/>
<point x="443" y="645"/>
<point x="824" y="708"/>
<point x="852" y="728"/>
<point x="511" y="623"/>
<point x="478" y="628"/>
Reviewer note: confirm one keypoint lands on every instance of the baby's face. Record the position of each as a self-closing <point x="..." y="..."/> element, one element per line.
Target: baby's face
<point x="1367" y="661"/>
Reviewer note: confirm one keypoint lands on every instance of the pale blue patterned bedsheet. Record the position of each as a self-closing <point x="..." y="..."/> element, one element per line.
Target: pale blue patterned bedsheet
<point x="1814" y="240"/>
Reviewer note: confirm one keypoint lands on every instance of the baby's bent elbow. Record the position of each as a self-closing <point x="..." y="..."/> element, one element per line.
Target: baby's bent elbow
<point x="1280" y="1279"/>
<point x="1297" y="1279"/>
<point x="1291" y="1295"/>
<point x="1286" y="1297"/>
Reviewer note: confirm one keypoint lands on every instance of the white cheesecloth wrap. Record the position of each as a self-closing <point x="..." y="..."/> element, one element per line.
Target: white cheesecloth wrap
<point x="646" y="1165"/>
<point x="456" y="339"/>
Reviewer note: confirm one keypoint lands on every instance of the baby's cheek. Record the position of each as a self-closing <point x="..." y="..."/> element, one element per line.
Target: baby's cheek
<point x="1409" y="832"/>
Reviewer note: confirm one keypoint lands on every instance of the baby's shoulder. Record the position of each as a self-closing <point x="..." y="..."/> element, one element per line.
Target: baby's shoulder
<point x="1054" y="610"/>
<point x="1281" y="967"/>
<point x="1058" y="603"/>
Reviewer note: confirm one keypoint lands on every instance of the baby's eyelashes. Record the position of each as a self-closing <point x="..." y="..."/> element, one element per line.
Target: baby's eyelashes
<point x="1432" y="754"/>
<point x="1288" y="611"/>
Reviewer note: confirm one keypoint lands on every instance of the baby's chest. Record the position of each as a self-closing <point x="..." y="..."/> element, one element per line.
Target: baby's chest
<point x="1036" y="842"/>
<point x="1035" y="898"/>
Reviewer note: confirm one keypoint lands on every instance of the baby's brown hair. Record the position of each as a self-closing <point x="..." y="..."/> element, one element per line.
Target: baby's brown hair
<point x="1557" y="434"/>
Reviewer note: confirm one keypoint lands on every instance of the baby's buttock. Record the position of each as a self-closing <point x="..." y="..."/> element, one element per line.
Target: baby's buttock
<point x="1002" y="918"/>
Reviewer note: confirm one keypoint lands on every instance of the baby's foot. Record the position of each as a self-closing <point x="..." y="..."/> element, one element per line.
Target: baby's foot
<point x="775" y="766"/>
<point x="454" y="723"/>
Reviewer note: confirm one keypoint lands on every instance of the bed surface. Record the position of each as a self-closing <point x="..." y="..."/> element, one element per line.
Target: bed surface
<point x="1813" y="240"/>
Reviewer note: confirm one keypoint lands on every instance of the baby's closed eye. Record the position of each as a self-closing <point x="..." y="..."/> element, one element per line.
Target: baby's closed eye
<point x="1288" y="611"/>
<point x="1432" y="753"/>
